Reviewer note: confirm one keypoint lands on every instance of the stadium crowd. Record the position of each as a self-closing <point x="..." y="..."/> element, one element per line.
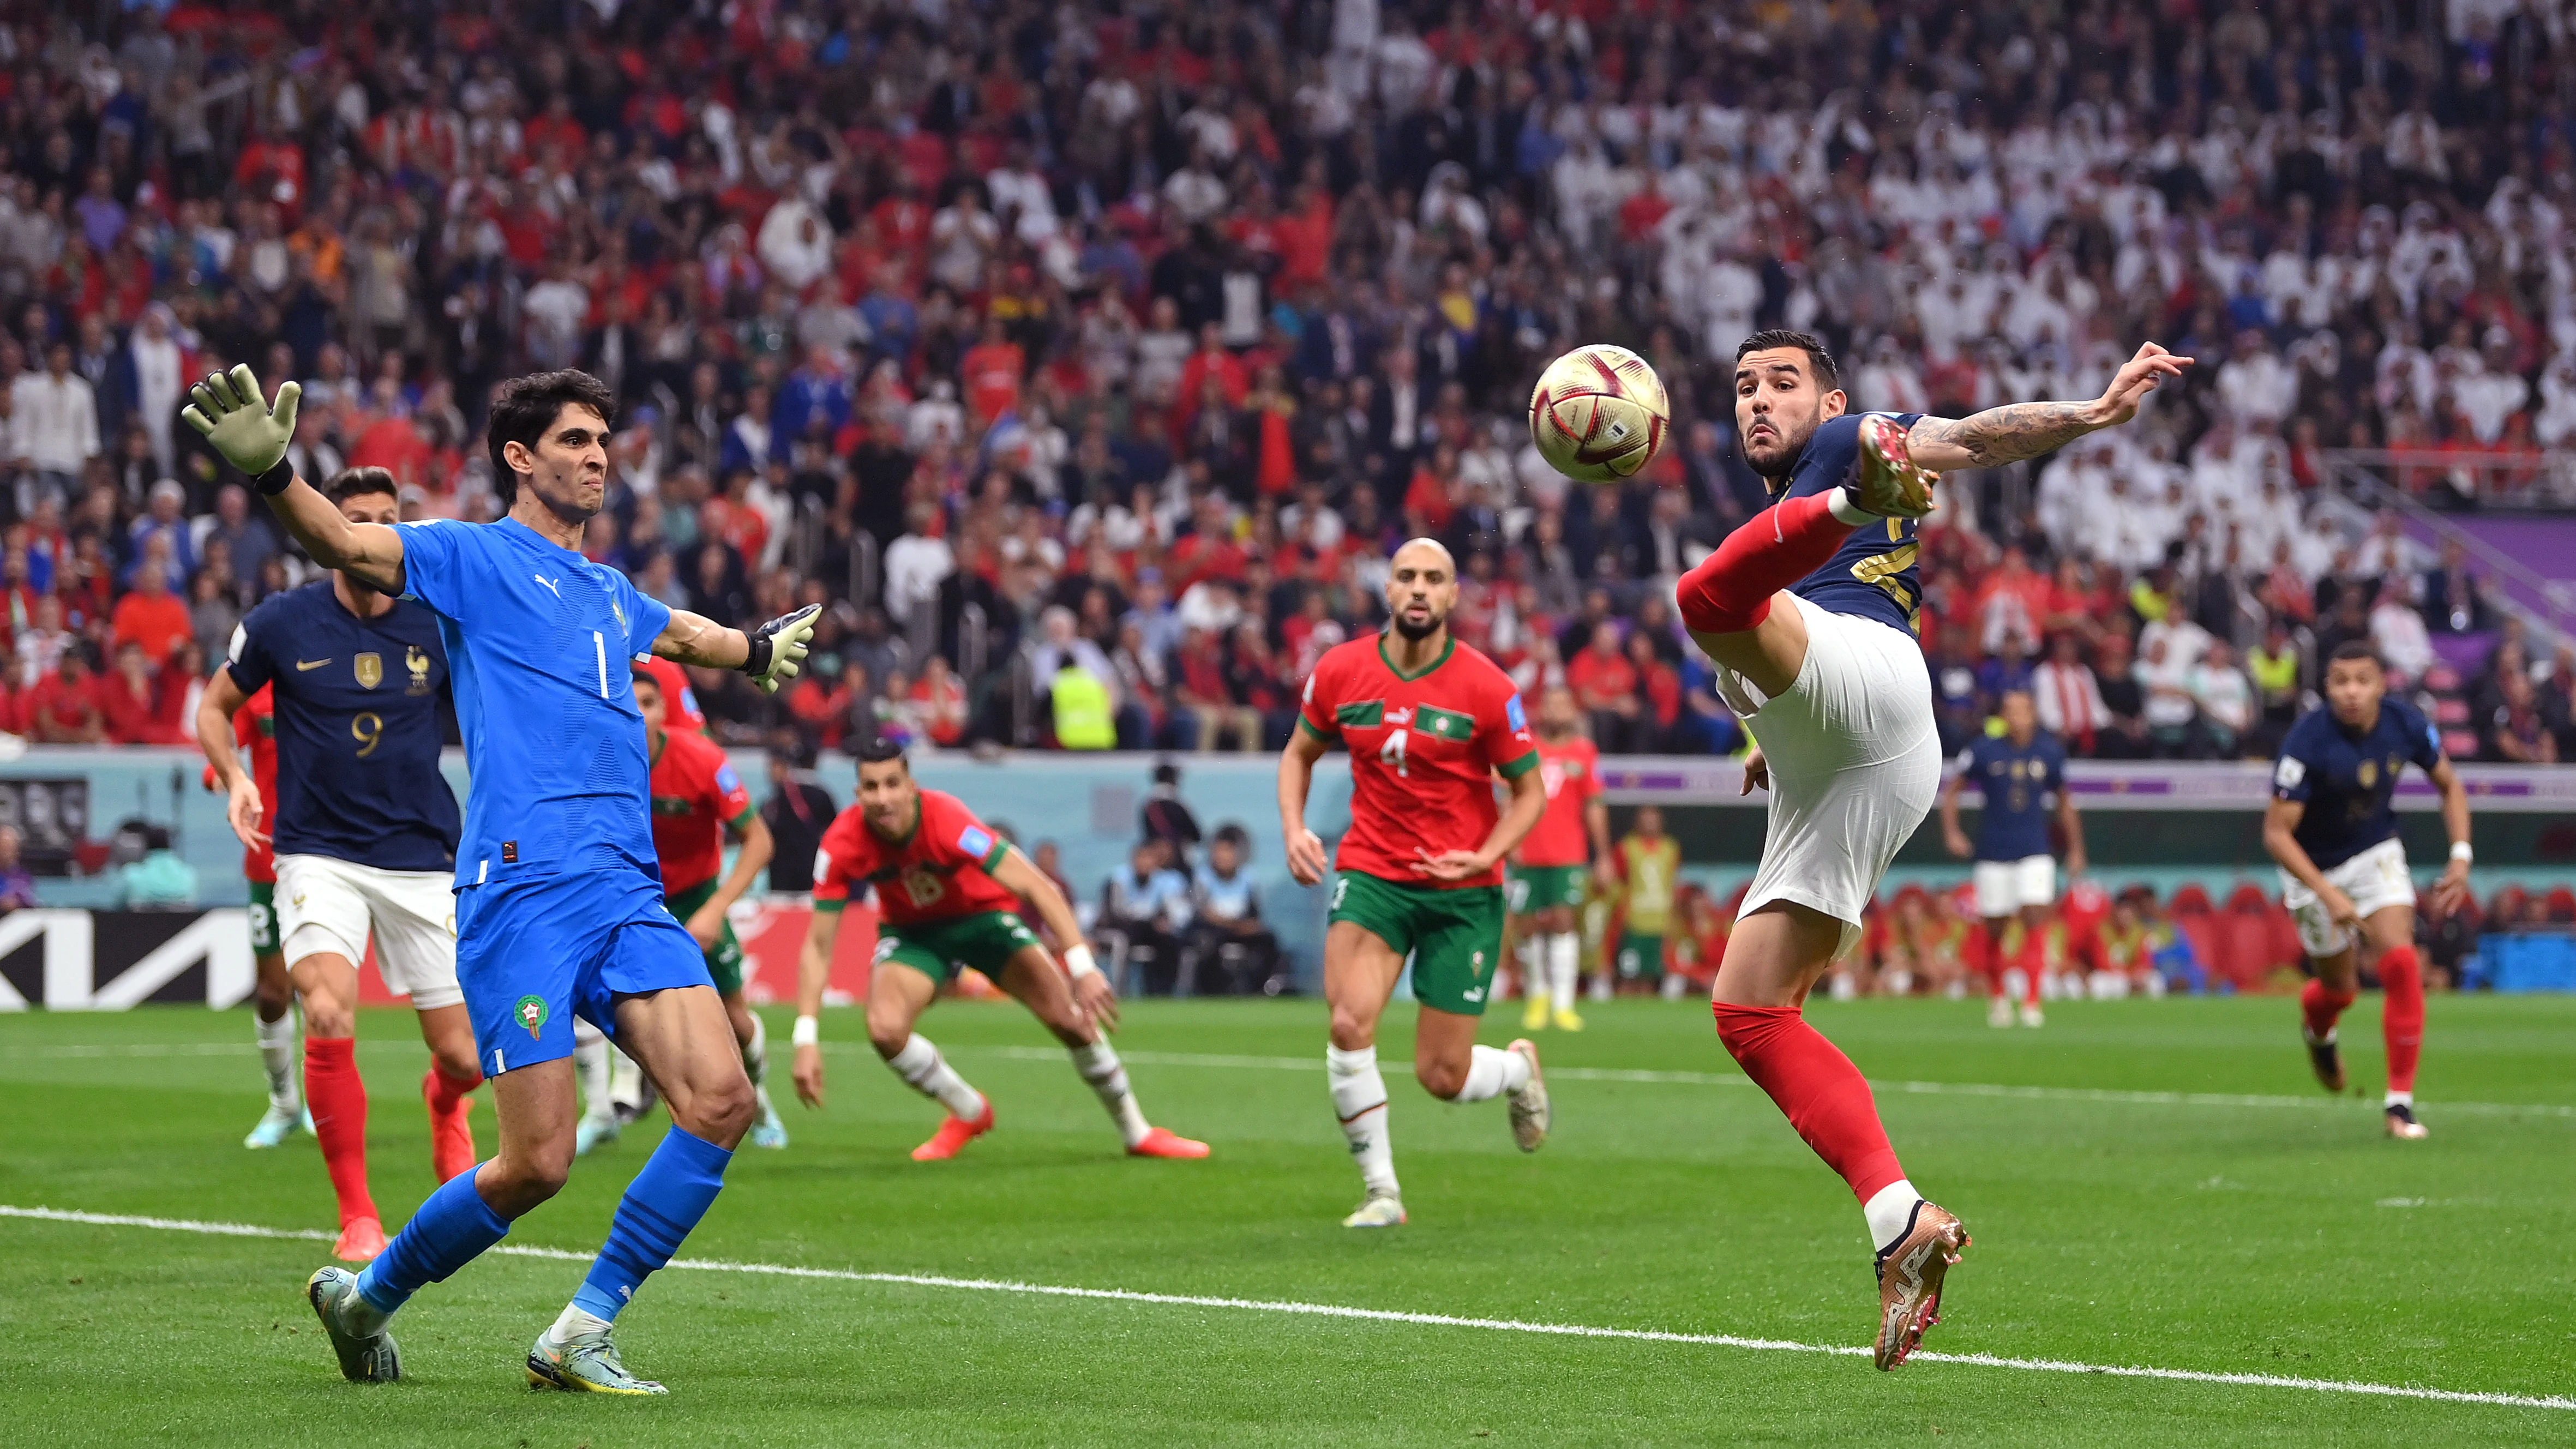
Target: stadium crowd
<point x="1087" y="359"/>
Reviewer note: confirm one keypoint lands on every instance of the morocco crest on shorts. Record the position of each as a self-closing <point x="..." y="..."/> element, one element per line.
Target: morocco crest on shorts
<point x="531" y="1012"/>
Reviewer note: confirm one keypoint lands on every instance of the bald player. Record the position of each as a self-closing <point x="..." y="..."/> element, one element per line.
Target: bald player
<point x="1428" y="722"/>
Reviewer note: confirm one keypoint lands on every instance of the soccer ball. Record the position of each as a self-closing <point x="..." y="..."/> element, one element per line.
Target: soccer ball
<point x="1598" y="414"/>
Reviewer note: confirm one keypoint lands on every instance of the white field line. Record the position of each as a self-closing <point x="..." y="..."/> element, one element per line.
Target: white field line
<point x="1737" y="1079"/>
<point x="1375" y="1315"/>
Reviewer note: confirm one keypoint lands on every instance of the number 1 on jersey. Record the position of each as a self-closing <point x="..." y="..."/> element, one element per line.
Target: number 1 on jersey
<point x="1392" y="753"/>
<point x="599" y="646"/>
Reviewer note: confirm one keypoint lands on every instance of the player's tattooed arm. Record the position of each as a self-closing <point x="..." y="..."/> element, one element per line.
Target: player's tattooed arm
<point x="772" y="654"/>
<point x="2017" y="431"/>
<point x="697" y="639"/>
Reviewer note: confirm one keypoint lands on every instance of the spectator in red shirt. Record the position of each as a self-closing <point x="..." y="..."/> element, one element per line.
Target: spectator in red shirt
<point x="62" y="709"/>
<point x="939" y="702"/>
<point x="1605" y="684"/>
<point x="152" y="616"/>
<point x="1663" y="690"/>
<point x="1210" y="552"/>
<point x="991" y="371"/>
<point x="1208" y="694"/>
<point x="129" y="699"/>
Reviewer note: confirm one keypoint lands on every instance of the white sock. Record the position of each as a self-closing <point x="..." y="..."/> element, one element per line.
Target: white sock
<point x="1533" y="969"/>
<point x="1359" y="1099"/>
<point x="920" y="1064"/>
<point x="1564" y="954"/>
<point x="576" y="1322"/>
<point x="1890" y="1211"/>
<point x="278" y="1055"/>
<point x="590" y="1068"/>
<point x="1099" y="1065"/>
<point x="626" y="1084"/>
<point x="1492" y="1071"/>
<point x="755" y="1053"/>
<point x="2398" y="1099"/>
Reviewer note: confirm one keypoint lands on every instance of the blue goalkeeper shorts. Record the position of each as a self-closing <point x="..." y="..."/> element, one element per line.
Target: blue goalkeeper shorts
<point x="531" y="955"/>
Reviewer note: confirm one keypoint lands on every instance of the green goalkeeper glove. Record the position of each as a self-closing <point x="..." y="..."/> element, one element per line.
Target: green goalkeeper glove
<point x="778" y="648"/>
<point x="250" y="435"/>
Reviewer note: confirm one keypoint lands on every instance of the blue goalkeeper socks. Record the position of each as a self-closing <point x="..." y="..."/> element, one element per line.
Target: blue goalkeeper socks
<point x="450" y="1230"/>
<point x="675" y="1189"/>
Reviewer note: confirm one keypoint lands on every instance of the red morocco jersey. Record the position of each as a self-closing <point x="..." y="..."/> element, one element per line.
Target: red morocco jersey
<point x="940" y="872"/>
<point x="255" y="725"/>
<point x="696" y="793"/>
<point x="1571" y="771"/>
<point x="1424" y="753"/>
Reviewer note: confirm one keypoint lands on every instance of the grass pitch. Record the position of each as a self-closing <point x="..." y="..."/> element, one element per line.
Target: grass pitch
<point x="2259" y="1229"/>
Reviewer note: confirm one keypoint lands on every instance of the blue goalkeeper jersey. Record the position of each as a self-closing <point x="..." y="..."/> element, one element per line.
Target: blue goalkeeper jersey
<point x="538" y="643"/>
<point x="1872" y="575"/>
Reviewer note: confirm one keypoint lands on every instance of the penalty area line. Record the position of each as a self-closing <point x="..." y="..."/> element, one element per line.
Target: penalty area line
<point x="1369" y="1315"/>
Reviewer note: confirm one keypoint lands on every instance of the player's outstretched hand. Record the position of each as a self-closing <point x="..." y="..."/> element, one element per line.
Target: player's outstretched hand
<point x="1306" y="856"/>
<point x="2136" y="378"/>
<point x="243" y="810"/>
<point x="231" y="412"/>
<point x="778" y="648"/>
<point x="809" y="1075"/>
<point x="1097" y="998"/>
<point x="1449" y="864"/>
<point x="706" y="928"/>
<point x="1757" y="772"/>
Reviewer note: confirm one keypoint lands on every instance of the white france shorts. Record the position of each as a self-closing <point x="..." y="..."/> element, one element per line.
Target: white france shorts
<point x="2005" y="886"/>
<point x="325" y="904"/>
<point x="2375" y="879"/>
<point x="1855" y="763"/>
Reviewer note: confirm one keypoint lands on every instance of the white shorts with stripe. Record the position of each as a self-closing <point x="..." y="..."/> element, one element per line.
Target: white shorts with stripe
<point x="330" y="905"/>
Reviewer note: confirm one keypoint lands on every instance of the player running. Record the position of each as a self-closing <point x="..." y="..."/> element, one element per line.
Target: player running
<point x="2343" y="869"/>
<point x="2015" y="876"/>
<point x="254" y="728"/>
<point x="558" y="907"/>
<point x="1548" y="871"/>
<point x="949" y="891"/>
<point x="1428" y="722"/>
<point x="698" y="800"/>
<point x="365" y="838"/>
<point x="1808" y="611"/>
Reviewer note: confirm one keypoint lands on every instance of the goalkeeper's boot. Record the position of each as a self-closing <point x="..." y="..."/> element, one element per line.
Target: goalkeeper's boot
<point x="276" y="1124"/>
<point x="1530" y="1113"/>
<point x="953" y="1135"/>
<point x="2325" y="1059"/>
<point x="1381" y="1210"/>
<point x="586" y="1364"/>
<point x="2400" y="1117"/>
<point x="1887" y="480"/>
<point x="357" y="1330"/>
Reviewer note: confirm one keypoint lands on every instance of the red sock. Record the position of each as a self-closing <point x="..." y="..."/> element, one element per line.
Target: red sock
<point x="451" y="1133"/>
<point x="1992" y="944"/>
<point x="1730" y="591"/>
<point x="2401" y="1017"/>
<point x="2034" y="963"/>
<point x="338" y="1100"/>
<point x="1824" y="1095"/>
<point x="2321" y="1006"/>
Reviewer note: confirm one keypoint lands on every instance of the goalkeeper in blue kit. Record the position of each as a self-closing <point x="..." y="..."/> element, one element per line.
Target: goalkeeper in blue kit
<point x="558" y="897"/>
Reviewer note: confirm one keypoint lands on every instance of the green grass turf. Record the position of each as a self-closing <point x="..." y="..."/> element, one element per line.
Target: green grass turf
<point x="2232" y="1238"/>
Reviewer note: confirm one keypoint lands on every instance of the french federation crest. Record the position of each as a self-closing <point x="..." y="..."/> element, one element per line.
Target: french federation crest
<point x="371" y="670"/>
<point x="416" y="660"/>
<point x="531" y="1013"/>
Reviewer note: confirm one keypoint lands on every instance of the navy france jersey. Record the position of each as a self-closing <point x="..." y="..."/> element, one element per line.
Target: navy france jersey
<point x="2016" y="780"/>
<point x="2347" y="777"/>
<point x="539" y="639"/>
<point x="357" y="728"/>
<point x="1872" y="575"/>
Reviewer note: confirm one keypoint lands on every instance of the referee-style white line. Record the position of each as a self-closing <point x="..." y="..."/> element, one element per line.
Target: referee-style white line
<point x="1555" y="1074"/>
<point x="1737" y="1079"/>
<point x="1374" y="1315"/>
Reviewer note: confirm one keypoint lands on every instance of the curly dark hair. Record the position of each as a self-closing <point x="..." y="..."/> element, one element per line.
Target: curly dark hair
<point x="524" y="407"/>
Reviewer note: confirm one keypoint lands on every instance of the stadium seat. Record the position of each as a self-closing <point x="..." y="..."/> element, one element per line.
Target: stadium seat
<point x="2247" y="897"/>
<point x="2191" y="900"/>
<point x="2450" y="711"/>
<point x="2460" y="744"/>
<point x="2560" y="904"/>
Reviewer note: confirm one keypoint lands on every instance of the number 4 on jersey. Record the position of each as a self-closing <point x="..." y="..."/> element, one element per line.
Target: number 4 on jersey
<point x="1391" y="753"/>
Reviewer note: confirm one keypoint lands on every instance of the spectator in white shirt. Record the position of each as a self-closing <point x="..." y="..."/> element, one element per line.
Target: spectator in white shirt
<point x="56" y="423"/>
<point x="2068" y="696"/>
<point x="916" y="563"/>
<point x="2399" y="632"/>
<point x="2170" y="708"/>
<point x="2225" y="697"/>
<point x="2256" y="384"/>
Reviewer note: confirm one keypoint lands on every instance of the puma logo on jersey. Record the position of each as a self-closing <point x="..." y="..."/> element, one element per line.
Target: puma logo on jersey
<point x="549" y="583"/>
<point x="304" y="665"/>
<point x="1399" y="716"/>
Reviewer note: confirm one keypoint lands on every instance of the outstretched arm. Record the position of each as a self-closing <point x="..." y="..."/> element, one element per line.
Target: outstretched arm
<point x="253" y="437"/>
<point x="772" y="654"/>
<point x="2016" y="431"/>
